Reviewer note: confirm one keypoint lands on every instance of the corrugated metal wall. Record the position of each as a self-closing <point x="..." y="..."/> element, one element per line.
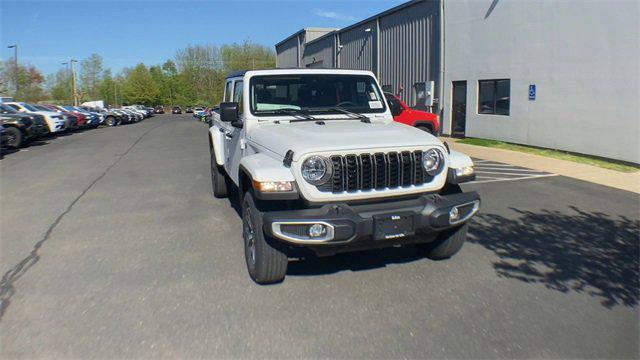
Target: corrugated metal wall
<point x="410" y="48"/>
<point x="287" y="53"/>
<point x="358" y="47"/>
<point x="312" y="34"/>
<point x="320" y="53"/>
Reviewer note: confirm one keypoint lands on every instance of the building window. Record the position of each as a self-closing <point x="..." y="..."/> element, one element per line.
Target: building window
<point x="494" y="96"/>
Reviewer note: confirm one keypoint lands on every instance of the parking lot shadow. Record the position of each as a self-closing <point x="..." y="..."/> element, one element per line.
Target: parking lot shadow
<point x="358" y="261"/>
<point x="585" y="252"/>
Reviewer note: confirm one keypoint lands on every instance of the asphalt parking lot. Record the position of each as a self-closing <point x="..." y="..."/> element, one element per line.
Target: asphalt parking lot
<point x="113" y="247"/>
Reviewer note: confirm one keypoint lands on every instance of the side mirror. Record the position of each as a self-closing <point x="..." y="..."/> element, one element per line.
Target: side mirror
<point x="229" y="112"/>
<point x="396" y="109"/>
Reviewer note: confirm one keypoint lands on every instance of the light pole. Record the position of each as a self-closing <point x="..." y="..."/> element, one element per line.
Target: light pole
<point x="73" y="82"/>
<point x="15" y="59"/>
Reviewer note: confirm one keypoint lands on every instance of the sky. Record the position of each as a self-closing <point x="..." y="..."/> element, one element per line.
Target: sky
<point x="125" y="33"/>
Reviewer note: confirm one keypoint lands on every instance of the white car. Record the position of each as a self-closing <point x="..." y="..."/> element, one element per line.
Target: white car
<point x="320" y="166"/>
<point x="55" y="120"/>
<point x="140" y="109"/>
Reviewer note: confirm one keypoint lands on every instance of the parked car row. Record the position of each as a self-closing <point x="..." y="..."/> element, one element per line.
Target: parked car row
<point x="23" y="122"/>
<point x="187" y="110"/>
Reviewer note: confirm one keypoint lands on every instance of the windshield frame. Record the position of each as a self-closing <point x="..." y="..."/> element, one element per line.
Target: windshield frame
<point x="325" y="110"/>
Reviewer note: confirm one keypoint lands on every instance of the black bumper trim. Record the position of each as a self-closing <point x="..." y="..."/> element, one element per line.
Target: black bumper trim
<point x="430" y="214"/>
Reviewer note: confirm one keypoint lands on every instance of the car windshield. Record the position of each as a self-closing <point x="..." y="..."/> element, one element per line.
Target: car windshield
<point x="315" y="93"/>
<point x="7" y="109"/>
<point x="30" y="107"/>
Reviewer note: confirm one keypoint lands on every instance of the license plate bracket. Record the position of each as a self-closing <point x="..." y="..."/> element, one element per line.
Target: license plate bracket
<point x="393" y="226"/>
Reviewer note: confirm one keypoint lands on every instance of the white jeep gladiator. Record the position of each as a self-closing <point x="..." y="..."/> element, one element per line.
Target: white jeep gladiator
<point x="320" y="167"/>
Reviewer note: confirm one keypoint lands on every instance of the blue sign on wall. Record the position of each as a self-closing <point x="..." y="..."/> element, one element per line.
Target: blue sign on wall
<point x="532" y="92"/>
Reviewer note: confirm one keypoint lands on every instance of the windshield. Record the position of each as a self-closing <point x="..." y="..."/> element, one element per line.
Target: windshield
<point x="29" y="107"/>
<point x="315" y="93"/>
<point x="7" y="109"/>
<point x="42" y="108"/>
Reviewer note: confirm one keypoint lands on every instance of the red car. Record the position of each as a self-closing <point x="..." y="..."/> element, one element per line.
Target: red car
<point x="82" y="119"/>
<point x="421" y="119"/>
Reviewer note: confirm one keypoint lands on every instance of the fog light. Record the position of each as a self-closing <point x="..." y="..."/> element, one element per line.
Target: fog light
<point x="317" y="230"/>
<point x="454" y="215"/>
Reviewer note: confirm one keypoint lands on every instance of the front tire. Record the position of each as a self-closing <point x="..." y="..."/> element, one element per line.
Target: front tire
<point x="218" y="179"/>
<point x="447" y="244"/>
<point x="14" y="137"/>
<point x="265" y="263"/>
<point x="111" y="121"/>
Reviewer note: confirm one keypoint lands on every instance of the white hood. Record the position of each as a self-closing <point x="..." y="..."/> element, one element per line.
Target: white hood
<point x="338" y="135"/>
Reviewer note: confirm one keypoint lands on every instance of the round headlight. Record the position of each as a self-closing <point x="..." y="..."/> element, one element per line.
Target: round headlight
<point x="433" y="161"/>
<point x="317" y="170"/>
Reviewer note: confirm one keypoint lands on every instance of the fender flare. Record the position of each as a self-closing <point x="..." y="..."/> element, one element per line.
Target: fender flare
<point x="260" y="167"/>
<point x="425" y="123"/>
<point x="216" y="139"/>
<point x="459" y="160"/>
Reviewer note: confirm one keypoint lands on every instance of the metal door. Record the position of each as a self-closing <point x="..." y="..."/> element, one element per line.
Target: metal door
<point x="458" y="108"/>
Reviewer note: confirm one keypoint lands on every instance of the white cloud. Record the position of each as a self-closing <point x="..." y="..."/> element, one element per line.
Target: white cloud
<point x="333" y="15"/>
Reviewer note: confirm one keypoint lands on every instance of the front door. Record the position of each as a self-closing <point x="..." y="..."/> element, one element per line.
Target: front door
<point x="459" y="108"/>
<point x="233" y="135"/>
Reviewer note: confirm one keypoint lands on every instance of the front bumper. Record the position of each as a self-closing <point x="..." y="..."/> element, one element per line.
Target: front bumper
<point x="58" y="125"/>
<point x="372" y="225"/>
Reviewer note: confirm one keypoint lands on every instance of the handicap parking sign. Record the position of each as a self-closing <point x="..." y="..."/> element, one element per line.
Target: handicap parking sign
<point x="532" y="92"/>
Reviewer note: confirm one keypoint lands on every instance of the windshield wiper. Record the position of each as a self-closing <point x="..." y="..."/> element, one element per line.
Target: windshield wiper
<point x="294" y="112"/>
<point x="354" y="115"/>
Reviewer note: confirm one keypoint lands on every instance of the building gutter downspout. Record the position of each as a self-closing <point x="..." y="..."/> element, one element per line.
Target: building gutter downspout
<point x="442" y="68"/>
<point x="378" y="67"/>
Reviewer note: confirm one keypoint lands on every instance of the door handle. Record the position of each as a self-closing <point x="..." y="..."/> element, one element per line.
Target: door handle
<point x="228" y="135"/>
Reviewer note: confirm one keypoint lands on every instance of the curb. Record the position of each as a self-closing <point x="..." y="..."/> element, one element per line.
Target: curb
<point x="611" y="178"/>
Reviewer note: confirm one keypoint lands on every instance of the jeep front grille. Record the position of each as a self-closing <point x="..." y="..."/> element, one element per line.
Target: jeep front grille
<point x="376" y="171"/>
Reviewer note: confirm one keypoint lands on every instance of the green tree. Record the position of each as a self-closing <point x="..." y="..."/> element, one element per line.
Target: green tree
<point x="90" y="76"/>
<point x="108" y="88"/>
<point x="59" y="85"/>
<point x="247" y="56"/>
<point x="139" y="86"/>
<point x="4" y="82"/>
<point x="172" y="82"/>
<point x="200" y="71"/>
<point x="30" y="80"/>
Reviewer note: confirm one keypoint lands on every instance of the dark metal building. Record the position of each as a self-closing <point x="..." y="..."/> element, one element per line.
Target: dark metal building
<point x="401" y="46"/>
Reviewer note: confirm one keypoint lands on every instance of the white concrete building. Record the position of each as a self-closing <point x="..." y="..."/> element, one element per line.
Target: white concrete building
<point x="581" y="56"/>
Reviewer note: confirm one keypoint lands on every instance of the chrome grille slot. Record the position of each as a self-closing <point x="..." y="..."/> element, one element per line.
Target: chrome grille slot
<point x="375" y="171"/>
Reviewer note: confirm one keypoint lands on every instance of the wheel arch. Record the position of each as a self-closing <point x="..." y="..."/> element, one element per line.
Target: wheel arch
<point x="426" y="124"/>
<point x="245" y="181"/>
